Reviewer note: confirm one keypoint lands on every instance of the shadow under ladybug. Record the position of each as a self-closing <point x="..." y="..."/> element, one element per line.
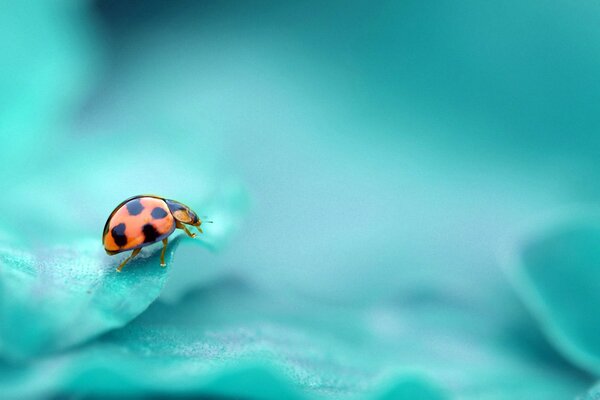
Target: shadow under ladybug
<point x="143" y="220"/>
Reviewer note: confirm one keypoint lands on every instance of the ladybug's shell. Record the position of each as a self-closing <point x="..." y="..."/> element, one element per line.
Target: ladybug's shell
<point x="137" y="222"/>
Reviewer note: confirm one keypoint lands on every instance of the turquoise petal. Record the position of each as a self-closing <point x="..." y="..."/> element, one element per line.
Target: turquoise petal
<point x="55" y="298"/>
<point x="409" y="386"/>
<point x="556" y="273"/>
<point x="226" y="340"/>
<point x="293" y="349"/>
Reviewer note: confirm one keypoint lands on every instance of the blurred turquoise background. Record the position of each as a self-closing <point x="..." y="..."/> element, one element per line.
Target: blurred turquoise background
<point x="404" y="197"/>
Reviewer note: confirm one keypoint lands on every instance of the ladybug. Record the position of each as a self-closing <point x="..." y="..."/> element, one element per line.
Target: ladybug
<point x="142" y="220"/>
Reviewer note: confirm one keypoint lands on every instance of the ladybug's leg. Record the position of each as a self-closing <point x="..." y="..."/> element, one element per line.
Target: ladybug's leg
<point x="200" y="223"/>
<point x="162" y="253"/>
<point x="185" y="229"/>
<point x="125" y="261"/>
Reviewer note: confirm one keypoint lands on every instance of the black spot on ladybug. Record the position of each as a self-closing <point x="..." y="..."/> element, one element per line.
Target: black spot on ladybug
<point x="158" y="213"/>
<point x="134" y="207"/>
<point x="150" y="233"/>
<point x="118" y="234"/>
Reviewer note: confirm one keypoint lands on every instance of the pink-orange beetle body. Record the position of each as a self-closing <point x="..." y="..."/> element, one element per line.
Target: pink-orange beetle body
<point x="143" y="220"/>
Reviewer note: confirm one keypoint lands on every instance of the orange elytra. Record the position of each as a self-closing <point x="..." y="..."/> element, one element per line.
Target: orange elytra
<point x="143" y="220"/>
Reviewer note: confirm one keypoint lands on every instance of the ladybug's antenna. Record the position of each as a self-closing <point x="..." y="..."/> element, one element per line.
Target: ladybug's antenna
<point x="205" y="222"/>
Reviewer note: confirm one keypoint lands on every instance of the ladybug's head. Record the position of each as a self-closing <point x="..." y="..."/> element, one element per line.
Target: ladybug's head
<point x="183" y="213"/>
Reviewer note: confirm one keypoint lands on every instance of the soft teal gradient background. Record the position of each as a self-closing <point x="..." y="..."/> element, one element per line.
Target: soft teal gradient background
<point x="404" y="194"/>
